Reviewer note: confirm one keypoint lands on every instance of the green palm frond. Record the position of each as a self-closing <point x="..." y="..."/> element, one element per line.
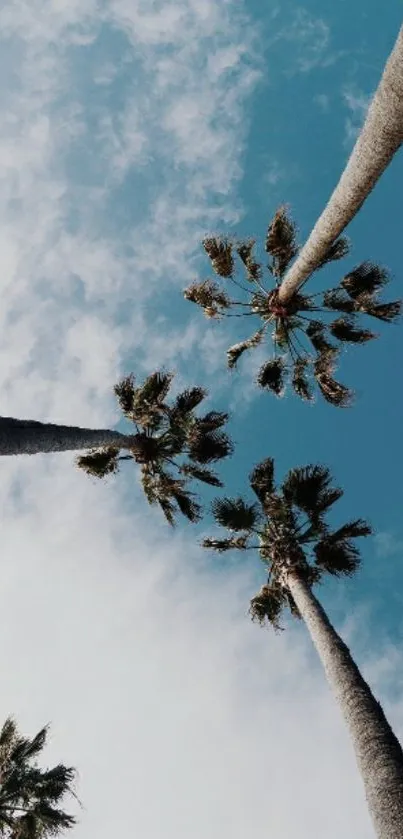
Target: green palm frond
<point x="209" y="296"/>
<point x="211" y="421"/>
<point x="235" y="352"/>
<point x="267" y="605"/>
<point x="262" y="479"/>
<point x="334" y="392"/>
<point x="337" y="300"/>
<point x="100" y="463"/>
<point x="387" y="312"/>
<point x="336" y="251"/>
<point x="188" y="400"/>
<point x="235" y="514"/>
<point x="366" y="278"/>
<point x="154" y="389"/>
<point x="343" y="329"/>
<point x="200" y="474"/>
<point x="219" y="251"/>
<point x="337" y="558"/>
<point x="300" y="381"/>
<point x="351" y="530"/>
<point x="272" y="374"/>
<point x="125" y="393"/>
<point x="281" y="241"/>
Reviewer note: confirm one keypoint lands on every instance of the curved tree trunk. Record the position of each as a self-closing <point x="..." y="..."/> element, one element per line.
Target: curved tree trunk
<point x="378" y="752"/>
<point x="380" y="138"/>
<point x="31" y="437"/>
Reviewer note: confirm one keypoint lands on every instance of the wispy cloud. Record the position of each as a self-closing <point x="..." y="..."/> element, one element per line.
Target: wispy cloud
<point x="357" y="103"/>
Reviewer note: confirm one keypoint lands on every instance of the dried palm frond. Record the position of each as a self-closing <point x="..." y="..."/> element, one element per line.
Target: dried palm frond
<point x="200" y="474"/>
<point x="343" y="329"/>
<point x="235" y="352"/>
<point x="281" y="241"/>
<point x="300" y="380"/>
<point x="245" y="252"/>
<point x="334" y="392"/>
<point x="220" y="253"/>
<point x="336" y="300"/>
<point x="188" y="400"/>
<point x="316" y="332"/>
<point x="267" y="605"/>
<point x="221" y="545"/>
<point x="388" y="312"/>
<point x="209" y="296"/>
<point x="125" y="391"/>
<point x="262" y="479"/>
<point x="271" y="375"/>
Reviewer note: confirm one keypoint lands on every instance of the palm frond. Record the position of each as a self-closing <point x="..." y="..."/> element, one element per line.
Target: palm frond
<point x="235" y="352"/>
<point x="365" y="278"/>
<point x="235" y="514"/>
<point x="221" y="545"/>
<point x="316" y="332"/>
<point x="334" y="392"/>
<point x="99" y="463"/>
<point x="207" y="294"/>
<point x="186" y="503"/>
<point x="262" y="479"/>
<point x="188" y="400"/>
<point x="309" y="489"/>
<point x="337" y="300"/>
<point x="219" y="252"/>
<point x="281" y="241"/>
<point x="351" y="530"/>
<point x="245" y="252"/>
<point x="343" y="329"/>
<point x="267" y="605"/>
<point x="387" y="312"/>
<point x="300" y="380"/>
<point x="207" y="448"/>
<point x="200" y="474"/>
<point x="337" y="558"/>
<point x="337" y="250"/>
<point x="154" y="390"/>
<point x="124" y="391"/>
<point x="271" y="375"/>
<point x="211" y="421"/>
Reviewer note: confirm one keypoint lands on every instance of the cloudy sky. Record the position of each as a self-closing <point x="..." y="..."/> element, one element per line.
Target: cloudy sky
<point x="129" y="129"/>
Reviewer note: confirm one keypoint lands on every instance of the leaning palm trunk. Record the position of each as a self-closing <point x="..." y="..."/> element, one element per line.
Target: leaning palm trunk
<point x="31" y="437"/>
<point x="378" y="752"/>
<point x="380" y="138"/>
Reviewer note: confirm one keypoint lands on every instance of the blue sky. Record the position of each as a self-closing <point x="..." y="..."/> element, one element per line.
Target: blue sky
<point x="129" y="130"/>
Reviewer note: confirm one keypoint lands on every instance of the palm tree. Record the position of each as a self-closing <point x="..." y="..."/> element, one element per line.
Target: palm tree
<point x="287" y="525"/>
<point x="31" y="797"/>
<point x="302" y="328"/>
<point x="380" y="137"/>
<point x="171" y="444"/>
<point x="20" y="436"/>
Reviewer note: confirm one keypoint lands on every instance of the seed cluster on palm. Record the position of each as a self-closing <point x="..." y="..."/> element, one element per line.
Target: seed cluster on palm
<point x="31" y="797"/>
<point x="287" y="526"/>
<point x="172" y="445"/>
<point x="306" y="337"/>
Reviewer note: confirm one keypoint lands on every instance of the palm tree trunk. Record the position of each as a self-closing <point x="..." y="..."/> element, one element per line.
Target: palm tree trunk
<point x="31" y="437"/>
<point x="378" y="752"/>
<point x="380" y="138"/>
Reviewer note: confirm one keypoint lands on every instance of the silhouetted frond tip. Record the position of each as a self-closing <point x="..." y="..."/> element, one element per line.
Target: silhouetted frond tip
<point x="100" y="463"/>
<point x="235" y="514"/>
<point x="344" y="329"/>
<point x="267" y="605"/>
<point x="300" y="381"/>
<point x="281" y="241"/>
<point x="220" y="253"/>
<point x="365" y="278"/>
<point x="261" y="479"/>
<point x="271" y="375"/>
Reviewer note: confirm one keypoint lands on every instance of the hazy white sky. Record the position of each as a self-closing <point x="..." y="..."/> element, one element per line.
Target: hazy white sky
<point x="121" y="139"/>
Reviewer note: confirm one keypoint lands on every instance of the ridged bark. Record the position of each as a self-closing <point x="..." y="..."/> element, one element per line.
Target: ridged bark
<point x="31" y="437"/>
<point x="378" y="752"/>
<point x="380" y="138"/>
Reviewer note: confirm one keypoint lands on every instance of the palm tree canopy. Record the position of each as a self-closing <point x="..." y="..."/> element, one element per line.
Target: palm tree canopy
<point x="31" y="798"/>
<point x="306" y="335"/>
<point x="172" y="445"/>
<point x="287" y="525"/>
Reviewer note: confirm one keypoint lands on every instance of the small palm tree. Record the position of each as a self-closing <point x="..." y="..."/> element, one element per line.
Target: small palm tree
<point x="307" y="336"/>
<point x="380" y="138"/>
<point x="171" y="444"/>
<point x="31" y="797"/>
<point x="287" y="526"/>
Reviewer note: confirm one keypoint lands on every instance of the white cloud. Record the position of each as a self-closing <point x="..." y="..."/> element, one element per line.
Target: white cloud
<point x="357" y="102"/>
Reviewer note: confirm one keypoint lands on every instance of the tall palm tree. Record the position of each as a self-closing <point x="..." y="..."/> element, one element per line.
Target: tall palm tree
<point x="172" y="445"/>
<point x="304" y="329"/>
<point x="20" y="436"/>
<point x="380" y="137"/>
<point x="287" y="525"/>
<point x="31" y="797"/>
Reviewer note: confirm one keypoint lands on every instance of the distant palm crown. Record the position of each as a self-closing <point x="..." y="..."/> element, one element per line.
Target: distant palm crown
<point x="30" y="797"/>
<point x="303" y="347"/>
<point x="168" y="437"/>
<point x="287" y="526"/>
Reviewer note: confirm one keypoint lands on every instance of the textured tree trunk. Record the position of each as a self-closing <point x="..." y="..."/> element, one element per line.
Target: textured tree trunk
<point x="30" y="437"/>
<point x="380" y="138"/>
<point x="378" y="752"/>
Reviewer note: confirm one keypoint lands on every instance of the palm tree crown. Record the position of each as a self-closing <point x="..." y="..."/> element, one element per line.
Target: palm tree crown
<point x="287" y="525"/>
<point x="171" y="444"/>
<point x="303" y="334"/>
<point x="30" y="797"/>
